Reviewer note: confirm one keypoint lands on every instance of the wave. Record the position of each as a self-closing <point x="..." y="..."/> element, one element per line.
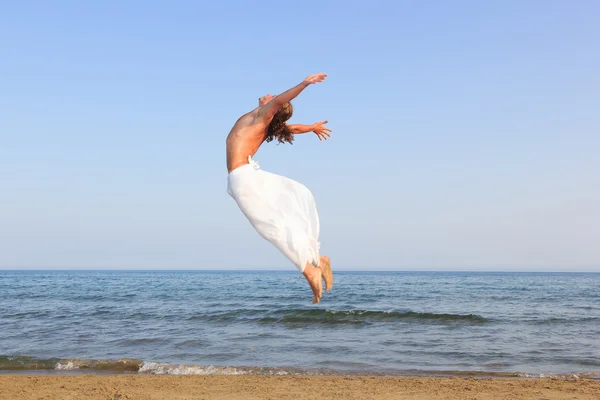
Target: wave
<point x="130" y="365"/>
<point x="312" y="316"/>
<point x="283" y="316"/>
<point x="333" y="317"/>
<point x="24" y="363"/>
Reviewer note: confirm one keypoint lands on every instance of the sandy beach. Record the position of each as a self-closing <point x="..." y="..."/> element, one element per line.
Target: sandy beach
<point x="128" y="387"/>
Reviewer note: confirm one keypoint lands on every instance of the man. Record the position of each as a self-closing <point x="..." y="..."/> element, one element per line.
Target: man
<point x="281" y="210"/>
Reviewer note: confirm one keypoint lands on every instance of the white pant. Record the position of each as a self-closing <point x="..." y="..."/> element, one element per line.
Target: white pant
<point x="281" y="210"/>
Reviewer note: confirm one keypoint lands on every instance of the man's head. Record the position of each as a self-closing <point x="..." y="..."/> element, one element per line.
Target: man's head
<point x="285" y="112"/>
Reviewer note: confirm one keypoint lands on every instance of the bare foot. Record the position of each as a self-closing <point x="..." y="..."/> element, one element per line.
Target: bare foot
<point x="314" y="275"/>
<point x="327" y="274"/>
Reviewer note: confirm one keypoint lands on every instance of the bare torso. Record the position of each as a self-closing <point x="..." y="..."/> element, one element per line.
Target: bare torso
<point x="244" y="139"/>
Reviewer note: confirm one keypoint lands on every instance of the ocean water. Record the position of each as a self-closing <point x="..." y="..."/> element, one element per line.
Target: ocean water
<point x="226" y="322"/>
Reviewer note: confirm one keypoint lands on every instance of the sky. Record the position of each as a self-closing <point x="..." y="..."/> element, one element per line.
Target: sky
<point x="466" y="134"/>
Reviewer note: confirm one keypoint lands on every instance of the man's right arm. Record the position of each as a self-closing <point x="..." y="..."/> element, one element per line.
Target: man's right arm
<point x="268" y="110"/>
<point x="318" y="128"/>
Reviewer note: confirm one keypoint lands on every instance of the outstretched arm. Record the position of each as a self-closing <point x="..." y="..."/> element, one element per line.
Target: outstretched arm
<point x="318" y="128"/>
<point x="299" y="128"/>
<point x="268" y="110"/>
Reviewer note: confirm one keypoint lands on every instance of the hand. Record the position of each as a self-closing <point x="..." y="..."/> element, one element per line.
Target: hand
<point x="320" y="77"/>
<point x="321" y="131"/>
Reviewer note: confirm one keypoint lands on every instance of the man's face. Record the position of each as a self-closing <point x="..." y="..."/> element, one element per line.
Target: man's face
<point x="265" y="99"/>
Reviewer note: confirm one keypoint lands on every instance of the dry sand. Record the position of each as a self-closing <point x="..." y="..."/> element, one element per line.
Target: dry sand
<point x="142" y="387"/>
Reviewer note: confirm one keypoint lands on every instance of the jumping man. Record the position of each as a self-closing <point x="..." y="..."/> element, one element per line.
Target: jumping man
<point x="281" y="210"/>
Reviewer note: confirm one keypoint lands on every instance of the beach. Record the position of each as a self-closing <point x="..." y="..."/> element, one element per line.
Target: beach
<point x="134" y="387"/>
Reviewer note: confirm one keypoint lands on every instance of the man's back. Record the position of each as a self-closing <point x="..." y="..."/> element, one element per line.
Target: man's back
<point x="244" y="139"/>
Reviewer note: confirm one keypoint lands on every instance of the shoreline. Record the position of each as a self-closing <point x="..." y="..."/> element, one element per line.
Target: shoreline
<point x="591" y="376"/>
<point x="15" y="365"/>
<point x="137" y="386"/>
<point x="231" y="371"/>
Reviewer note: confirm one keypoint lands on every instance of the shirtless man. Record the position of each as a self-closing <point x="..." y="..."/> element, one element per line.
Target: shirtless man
<point x="281" y="210"/>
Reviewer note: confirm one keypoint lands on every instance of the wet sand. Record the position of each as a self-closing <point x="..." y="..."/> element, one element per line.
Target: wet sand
<point x="145" y="387"/>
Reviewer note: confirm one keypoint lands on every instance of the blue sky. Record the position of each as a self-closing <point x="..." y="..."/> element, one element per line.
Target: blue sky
<point x="465" y="136"/>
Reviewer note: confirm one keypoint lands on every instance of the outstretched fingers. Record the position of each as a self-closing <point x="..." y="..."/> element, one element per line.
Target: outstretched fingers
<point x="315" y="78"/>
<point x="321" y="131"/>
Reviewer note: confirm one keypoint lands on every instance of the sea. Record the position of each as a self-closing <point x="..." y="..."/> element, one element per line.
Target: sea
<point x="264" y="322"/>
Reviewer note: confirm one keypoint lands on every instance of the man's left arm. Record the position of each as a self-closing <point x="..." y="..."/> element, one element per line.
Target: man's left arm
<point x="321" y="131"/>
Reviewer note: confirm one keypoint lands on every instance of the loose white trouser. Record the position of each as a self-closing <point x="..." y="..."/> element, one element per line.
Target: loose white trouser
<point x="281" y="210"/>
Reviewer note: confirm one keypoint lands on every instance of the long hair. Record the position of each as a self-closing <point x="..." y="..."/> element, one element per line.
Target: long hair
<point x="278" y="129"/>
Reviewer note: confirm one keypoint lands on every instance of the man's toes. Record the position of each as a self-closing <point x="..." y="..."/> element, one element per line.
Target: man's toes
<point x="317" y="294"/>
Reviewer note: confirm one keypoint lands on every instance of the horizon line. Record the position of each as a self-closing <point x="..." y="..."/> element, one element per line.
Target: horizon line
<point x="525" y="270"/>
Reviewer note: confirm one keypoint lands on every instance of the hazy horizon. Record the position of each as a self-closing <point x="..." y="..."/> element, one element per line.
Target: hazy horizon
<point x="287" y="269"/>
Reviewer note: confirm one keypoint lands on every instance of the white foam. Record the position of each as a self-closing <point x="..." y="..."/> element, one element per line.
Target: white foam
<point x="567" y="377"/>
<point x="156" y="368"/>
<point x="66" y="367"/>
